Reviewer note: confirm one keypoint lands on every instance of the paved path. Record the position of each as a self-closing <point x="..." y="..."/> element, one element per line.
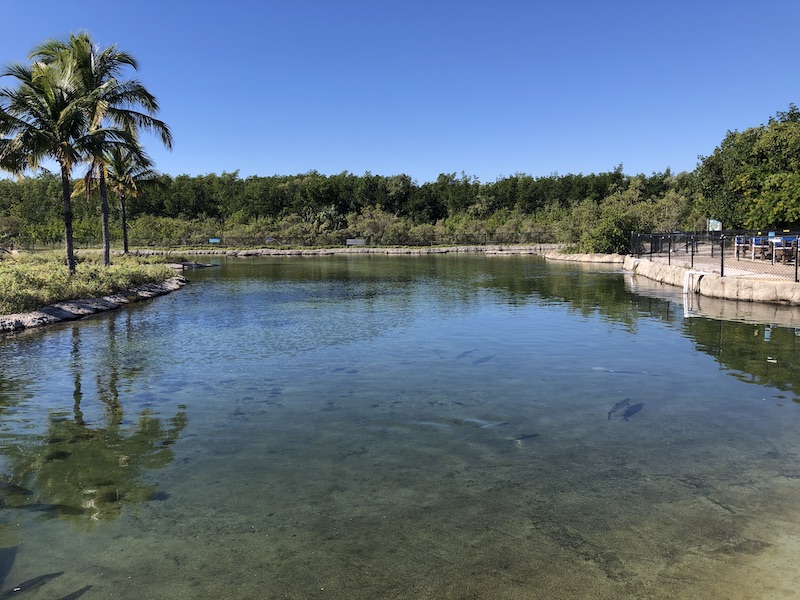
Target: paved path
<point x="744" y="267"/>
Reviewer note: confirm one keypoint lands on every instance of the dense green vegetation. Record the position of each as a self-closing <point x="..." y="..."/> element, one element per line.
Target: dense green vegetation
<point x="752" y="179"/>
<point x="30" y="281"/>
<point x="72" y="106"/>
<point x="748" y="182"/>
<point x="594" y="211"/>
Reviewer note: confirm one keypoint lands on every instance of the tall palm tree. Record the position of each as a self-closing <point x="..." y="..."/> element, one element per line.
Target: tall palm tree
<point x="125" y="104"/>
<point x="126" y="174"/>
<point x="44" y="117"/>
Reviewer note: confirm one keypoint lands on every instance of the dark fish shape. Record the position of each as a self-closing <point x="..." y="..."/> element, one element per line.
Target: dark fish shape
<point x="7" y="557"/>
<point x="77" y="594"/>
<point x="618" y="405"/>
<point x="485" y="359"/>
<point x="632" y="410"/>
<point x="12" y="489"/>
<point x="54" y="510"/>
<point x="31" y="584"/>
<point x="525" y="436"/>
<point x="465" y="354"/>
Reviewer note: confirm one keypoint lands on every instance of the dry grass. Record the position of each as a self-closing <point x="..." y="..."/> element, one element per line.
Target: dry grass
<point x="32" y="280"/>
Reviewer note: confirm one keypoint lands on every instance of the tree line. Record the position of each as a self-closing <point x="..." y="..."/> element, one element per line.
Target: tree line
<point x="316" y="209"/>
<point x="73" y="105"/>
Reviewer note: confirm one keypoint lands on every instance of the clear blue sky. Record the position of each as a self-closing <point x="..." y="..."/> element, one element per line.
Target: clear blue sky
<point x="489" y="88"/>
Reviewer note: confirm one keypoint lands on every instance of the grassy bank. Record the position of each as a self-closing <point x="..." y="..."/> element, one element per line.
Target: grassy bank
<point x="29" y="281"/>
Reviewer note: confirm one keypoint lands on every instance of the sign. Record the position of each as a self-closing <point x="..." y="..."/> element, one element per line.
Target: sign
<point x="213" y="240"/>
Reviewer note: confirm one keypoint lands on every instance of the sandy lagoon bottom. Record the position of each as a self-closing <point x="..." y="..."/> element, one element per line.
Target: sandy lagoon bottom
<point x="455" y="450"/>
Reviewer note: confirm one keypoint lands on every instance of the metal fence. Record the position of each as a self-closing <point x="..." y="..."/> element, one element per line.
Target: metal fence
<point x="753" y="254"/>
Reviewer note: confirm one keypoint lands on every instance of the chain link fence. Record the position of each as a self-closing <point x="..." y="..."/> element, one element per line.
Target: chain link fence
<point x="733" y="254"/>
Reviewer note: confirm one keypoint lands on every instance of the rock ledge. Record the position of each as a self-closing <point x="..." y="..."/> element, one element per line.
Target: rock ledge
<point x="71" y="310"/>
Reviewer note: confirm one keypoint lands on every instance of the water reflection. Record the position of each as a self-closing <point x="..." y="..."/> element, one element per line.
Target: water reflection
<point x="756" y="342"/>
<point x="87" y="468"/>
<point x="422" y="427"/>
<point x="588" y="289"/>
<point x="755" y="353"/>
<point x="365" y="297"/>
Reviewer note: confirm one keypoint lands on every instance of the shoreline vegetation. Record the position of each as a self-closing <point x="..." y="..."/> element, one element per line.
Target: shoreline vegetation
<point x="74" y="103"/>
<point x="749" y="182"/>
<point x="153" y="279"/>
<point x="71" y="310"/>
<point x="37" y="288"/>
<point x="593" y="213"/>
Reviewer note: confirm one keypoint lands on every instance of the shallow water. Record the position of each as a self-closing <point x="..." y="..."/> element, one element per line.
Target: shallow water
<point x="401" y="427"/>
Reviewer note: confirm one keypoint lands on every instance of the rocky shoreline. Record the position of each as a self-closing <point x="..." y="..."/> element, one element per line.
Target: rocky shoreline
<point x="692" y="280"/>
<point x="71" y="310"/>
<point x="421" y="250"/>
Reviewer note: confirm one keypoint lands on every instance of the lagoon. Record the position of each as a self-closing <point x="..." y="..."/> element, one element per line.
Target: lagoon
<point x="402" y="427"/>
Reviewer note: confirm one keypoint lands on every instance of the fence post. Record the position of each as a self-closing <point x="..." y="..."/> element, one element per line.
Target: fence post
<point x="721" y="255"/>
<point x="669" y="250"/>
<point x="797" y="244"/>
<point x="691" y="241"/>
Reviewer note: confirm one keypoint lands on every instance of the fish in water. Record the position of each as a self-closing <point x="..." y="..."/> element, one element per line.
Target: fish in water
<point x="480" y="361"/>
<point x="31" y="584"/>
<point x="77" y="594"/>
<point x="12" y="489"/>
<point x="619" y="405"/>
<point x="493" y="425"/>
<point x="465" y="354"/>
<point x="619" y="372"/>
<point x="632" y="410"/>
<point x="481" y="424"/>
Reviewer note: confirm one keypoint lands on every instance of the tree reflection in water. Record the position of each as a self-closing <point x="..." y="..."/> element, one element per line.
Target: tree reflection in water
<point x="89" y="471"/>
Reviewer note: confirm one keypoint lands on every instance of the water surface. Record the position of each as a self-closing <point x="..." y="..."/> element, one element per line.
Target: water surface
<point x="401" y="427"/>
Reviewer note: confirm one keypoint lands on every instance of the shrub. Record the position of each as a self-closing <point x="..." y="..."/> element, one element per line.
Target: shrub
<point x="31" y="281"/>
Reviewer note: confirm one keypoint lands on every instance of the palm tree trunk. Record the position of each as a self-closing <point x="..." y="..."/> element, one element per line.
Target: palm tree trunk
<point x="104" y="211"/>
<point x="124" y="215"/>
<point x="67" y="214"/>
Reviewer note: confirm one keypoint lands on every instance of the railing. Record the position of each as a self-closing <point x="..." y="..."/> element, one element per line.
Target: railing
<point x="742" y="254"/>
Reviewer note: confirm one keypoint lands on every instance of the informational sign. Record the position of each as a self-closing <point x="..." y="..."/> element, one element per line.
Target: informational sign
<point x="714" y="225"/>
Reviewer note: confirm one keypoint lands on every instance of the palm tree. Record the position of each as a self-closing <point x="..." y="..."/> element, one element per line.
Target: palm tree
<point x="126" y="174"/>
<point x="125" y="104"/>
<point x="45" y="118"/>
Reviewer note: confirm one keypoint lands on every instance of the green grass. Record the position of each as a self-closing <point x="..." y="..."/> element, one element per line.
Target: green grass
<point x="33" y="280"/>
